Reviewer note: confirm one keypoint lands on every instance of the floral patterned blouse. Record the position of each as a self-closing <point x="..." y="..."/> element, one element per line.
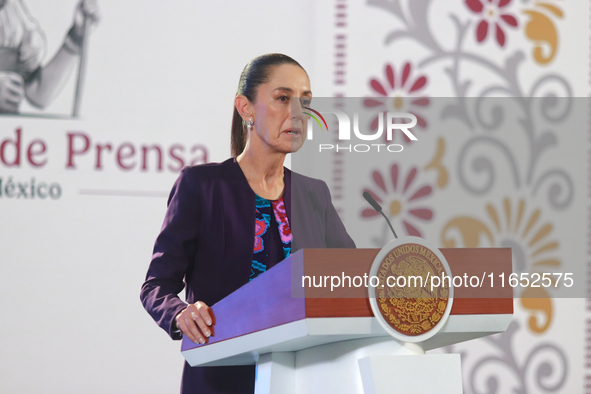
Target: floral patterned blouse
<point x="272" y="235"/>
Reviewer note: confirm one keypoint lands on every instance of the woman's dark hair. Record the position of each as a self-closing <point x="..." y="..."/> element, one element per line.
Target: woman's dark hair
<point x="255" y="73"/>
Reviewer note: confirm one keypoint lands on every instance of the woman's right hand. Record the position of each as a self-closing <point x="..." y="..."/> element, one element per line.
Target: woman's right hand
<point x="194" y="322"/>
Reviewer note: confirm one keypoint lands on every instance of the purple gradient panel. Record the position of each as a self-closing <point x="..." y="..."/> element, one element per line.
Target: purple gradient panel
<point x="262" y="303"/>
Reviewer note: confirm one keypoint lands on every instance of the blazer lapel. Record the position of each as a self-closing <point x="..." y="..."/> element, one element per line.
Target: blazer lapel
<point x="239" y="217"/>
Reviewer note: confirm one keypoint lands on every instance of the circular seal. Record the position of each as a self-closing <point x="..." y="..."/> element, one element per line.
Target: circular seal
<point x="411" y="301"/>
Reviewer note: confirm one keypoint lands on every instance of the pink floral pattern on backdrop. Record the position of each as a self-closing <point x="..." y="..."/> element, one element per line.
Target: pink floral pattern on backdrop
<point x="494" y="15"/>
<point x="404" y="199"/>
<point x="401" y="91"/>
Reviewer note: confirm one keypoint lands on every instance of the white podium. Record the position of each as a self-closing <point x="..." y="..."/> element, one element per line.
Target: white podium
<point x="336" y="345"/>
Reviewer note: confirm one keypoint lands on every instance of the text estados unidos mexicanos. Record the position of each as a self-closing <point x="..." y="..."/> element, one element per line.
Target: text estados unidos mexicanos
<point x="524" y="280"/>
<point x="29" y="190"/>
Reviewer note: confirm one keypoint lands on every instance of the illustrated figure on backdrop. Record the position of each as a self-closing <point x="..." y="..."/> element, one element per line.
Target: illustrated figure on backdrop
<point x="229" y="222"/>
<point x="22" y="49"/>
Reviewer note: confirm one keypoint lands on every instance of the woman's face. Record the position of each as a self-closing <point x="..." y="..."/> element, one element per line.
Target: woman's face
<point x="278" y="120"/>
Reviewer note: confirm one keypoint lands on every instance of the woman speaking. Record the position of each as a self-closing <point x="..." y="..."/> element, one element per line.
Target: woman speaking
<point x="229" y="222"/>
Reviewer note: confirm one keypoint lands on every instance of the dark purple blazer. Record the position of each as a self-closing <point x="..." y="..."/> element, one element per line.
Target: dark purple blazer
<point x="206" y="246"/>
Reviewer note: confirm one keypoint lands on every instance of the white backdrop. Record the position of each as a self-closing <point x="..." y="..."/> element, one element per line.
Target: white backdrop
<point x="71" y="268"/>
<point x="165" y="74"/>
